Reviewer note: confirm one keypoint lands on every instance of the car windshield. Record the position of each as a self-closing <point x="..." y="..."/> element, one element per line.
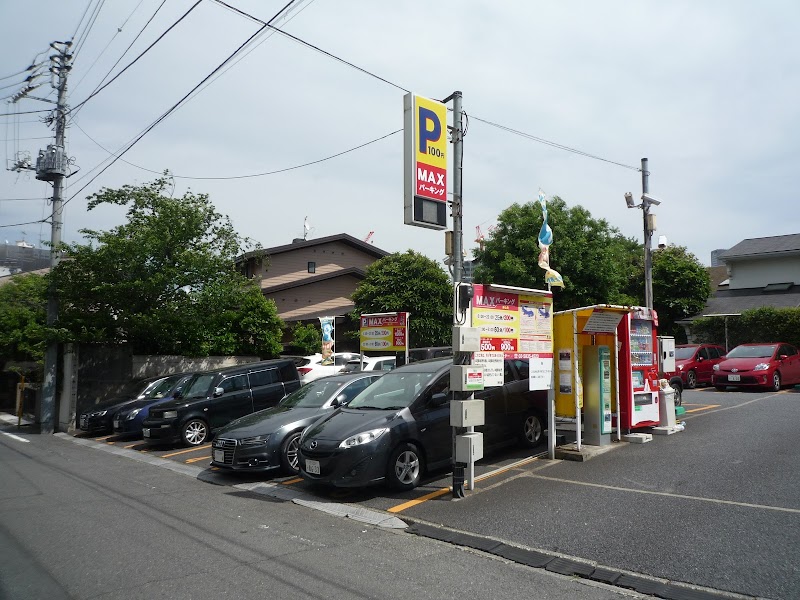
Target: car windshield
<point x="312" y="395"/>
<point x="684" y="353"/>
<point x="161" y="387"/>
<point x="199" y="387"/>
<point x="752" y="352"/>
<point x="394" y="390"/>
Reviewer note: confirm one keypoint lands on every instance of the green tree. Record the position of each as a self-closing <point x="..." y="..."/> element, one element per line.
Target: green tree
<point x="306" y="339"/>
<point x="595" y="260"/>
<point x="23" y="317"/>
<point x="410" y="282"/>
<point x="681" y="286"/>
<point x="165" y="281"/>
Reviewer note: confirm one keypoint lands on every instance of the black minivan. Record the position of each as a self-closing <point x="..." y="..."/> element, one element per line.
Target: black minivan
<point x="213" y="399"/>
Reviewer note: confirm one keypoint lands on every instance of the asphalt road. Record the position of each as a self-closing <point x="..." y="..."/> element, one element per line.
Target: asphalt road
<point x="76" y="522"/>
<point x="714" y="506"/>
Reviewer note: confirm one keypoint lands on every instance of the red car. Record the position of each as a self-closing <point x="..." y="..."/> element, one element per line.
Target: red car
<point x="770" y="366"/>
<point x="695" y="363"/>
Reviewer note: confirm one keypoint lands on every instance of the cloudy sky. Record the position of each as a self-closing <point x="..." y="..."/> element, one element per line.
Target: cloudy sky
<point x="706" y="90"/>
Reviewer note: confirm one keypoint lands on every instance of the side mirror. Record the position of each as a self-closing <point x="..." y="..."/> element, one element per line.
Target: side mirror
<point x="700" y="359"/>
<point x="178" y="394"/>
<point x="340" y="400"/>
<point x="439" y="399"/>
<point x="783" y="357"/>
<point x="218" y="392"/>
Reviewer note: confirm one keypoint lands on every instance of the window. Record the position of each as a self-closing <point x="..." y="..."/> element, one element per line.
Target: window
<point x="713" y="352"/>
<point x="265" y="377"/>
<point x="312" y="266"/>
<point x="234" y="383"/>
<point x="703" y="353"/>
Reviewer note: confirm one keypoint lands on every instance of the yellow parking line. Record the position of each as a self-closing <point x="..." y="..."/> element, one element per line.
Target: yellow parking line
<point x="204" y="447"/>
<point x="707" y="407"/>
<point x="102" y="439"/>
<point x="443" y="491"/>
<point x="291" y="481"/>
<point x="197" y="459"/>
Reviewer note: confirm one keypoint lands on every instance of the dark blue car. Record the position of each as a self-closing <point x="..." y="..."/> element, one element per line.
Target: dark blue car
<point x="128" y="421"/>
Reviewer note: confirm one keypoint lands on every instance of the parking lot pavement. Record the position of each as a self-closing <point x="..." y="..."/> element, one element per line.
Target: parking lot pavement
<point x="678" y="509"/>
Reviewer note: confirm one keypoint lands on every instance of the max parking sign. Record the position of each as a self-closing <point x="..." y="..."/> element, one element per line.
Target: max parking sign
<point x="425" y="162"/>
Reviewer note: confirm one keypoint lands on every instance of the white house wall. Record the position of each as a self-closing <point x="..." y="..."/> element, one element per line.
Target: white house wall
<point x="759" y="273"/>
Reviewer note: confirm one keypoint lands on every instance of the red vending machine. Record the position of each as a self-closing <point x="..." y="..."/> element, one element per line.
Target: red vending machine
<point x="639" y="399"/>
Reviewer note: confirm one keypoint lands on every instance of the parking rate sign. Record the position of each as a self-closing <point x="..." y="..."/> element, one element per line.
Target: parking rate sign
<point x="425" y="130"/>
<point x="384" y="332"/>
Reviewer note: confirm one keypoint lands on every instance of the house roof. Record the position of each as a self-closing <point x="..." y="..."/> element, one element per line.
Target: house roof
<point x="736" y="301"/>
<point x="339" y="237"/>
<point x="766" y="246"/>
<point x="351" y="271"/>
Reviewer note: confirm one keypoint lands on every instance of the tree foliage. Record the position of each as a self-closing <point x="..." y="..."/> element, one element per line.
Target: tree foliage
<point x="595" y="260"/>
<point x="681" y="286"/>
<point x="410" y="282"/>
<point x="23" y="316"/>
<point x="306" y="339"/>
<point x="758" y="325"/>
<point x="165" y="281"/>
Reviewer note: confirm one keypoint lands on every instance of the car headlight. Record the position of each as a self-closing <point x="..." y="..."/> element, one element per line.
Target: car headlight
<point x="680" y="367"/>
<point x="170" y="414"/>
<point x="257" y="440"/>
<point x="761" y="367"/>
<point x="365" y="437"/>
<point x="99" y="413"/>
<point x="133" y="413"/>
<point x="716" y="367"/>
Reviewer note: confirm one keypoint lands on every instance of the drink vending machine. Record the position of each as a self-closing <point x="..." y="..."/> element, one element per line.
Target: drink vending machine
<point x="639" y="400"/>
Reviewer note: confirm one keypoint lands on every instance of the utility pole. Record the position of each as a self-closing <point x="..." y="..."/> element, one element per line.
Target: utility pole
<point x="648" y="238"/>
<point x="51" y="165"/>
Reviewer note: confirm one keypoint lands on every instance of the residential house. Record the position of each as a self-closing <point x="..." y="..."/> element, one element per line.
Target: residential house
<point x="313" y="278"/>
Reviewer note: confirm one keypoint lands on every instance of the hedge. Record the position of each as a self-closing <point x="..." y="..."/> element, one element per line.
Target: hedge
<point x="764" y="324"/>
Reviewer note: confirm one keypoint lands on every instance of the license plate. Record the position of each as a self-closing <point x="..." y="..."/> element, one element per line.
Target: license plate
<point x="312" y="467"/>
<point x="145" y="432"/>
<point x="219" y="456"/>
<point x="734" y="377"/>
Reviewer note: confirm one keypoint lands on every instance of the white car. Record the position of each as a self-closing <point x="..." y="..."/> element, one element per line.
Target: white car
<point x="314" y="369"/>
<point x="371" y="363"/>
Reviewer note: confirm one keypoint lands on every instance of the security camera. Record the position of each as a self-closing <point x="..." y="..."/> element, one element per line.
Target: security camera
<point x="662" y="241"/>
<point x="629" y="199"/>
<point x="650" y="200"/>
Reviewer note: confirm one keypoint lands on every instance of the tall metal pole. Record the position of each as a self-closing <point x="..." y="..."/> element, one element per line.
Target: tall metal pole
<point x="60" y="67"/>
<point x="648" y="235"/>
<point x="458" y="156"/>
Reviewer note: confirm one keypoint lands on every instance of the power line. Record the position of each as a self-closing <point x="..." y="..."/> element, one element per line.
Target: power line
<point x="251" y="175"/>
<point x="26" y="223"/>
<point x="133" y="62"/>
<point x="84" y="36"/>
<point x="554" y="144"/>
<point x="20" y="199"/>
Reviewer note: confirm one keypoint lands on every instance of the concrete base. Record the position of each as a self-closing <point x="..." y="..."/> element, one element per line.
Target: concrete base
<point x="665" y="430"/>
<point x="570" y="452"/>
<point x="638" y="438"/>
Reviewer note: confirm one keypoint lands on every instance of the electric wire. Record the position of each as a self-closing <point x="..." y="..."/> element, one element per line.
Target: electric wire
<point x="250" y="175"/>
<point x="20" y="199"/>
<point x="83" y="16"/>
<point x="85" y="34"/>
<point x="114" y="66"/>
<point x="133" y="62"/>
<point x="166" y="114"/>
<point x="103" y="51"/>
<point x="25" y="223"/>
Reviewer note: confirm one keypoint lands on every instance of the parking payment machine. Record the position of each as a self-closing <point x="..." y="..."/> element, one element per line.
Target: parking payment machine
<point x="597" y="395"/>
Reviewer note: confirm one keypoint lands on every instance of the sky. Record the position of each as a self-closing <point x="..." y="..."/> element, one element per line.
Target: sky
<point x="706" y="90"/>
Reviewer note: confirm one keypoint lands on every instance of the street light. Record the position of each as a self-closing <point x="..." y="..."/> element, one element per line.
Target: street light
<point x="649" y="222"/>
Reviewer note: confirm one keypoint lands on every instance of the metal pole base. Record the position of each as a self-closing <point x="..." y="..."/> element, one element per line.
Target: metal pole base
<point x="458" y="481"/>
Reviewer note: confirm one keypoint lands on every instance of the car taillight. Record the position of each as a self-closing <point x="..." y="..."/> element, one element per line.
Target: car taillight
<point x="304" y="370"/>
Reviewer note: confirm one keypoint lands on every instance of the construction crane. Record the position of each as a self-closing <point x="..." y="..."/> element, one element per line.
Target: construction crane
<point x="369" y="237"/>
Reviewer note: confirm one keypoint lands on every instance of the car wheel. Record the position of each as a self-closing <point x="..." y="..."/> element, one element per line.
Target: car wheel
<point x="404" y="470"/>
<point x="289" y="458"/>
<point x="678" y="393"/>
<point x="776" y="382"/>
<point x="532" y="430"/>
<point x="194" y="432"/>
<point x="691" y="380"/>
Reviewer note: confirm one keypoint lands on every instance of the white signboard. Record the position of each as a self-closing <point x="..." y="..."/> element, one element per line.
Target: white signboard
<point x="492" y="363"/>
<point x="541" y="373"/>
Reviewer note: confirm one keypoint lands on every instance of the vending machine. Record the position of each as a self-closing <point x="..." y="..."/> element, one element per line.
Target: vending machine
<point x="639" y="399"/>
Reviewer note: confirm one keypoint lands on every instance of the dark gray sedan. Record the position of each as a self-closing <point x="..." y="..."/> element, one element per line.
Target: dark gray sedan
<point x="268" y="439"/>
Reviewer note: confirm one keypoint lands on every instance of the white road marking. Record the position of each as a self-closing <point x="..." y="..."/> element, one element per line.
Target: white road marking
<point x="668" y="494"/>
<point x="15" y="437"/>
